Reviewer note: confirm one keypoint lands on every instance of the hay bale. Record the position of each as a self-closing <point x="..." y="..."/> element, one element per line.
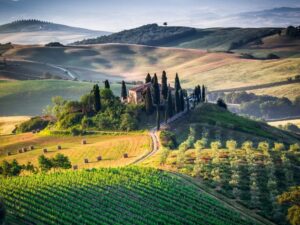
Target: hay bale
<point x="33" y="131"/>
<point x="31" y="147"/>
<point x="24" y="149"/>
<point x="83" y="142"/>
<point x="75" y="167"/>
<point x="125" y="155"/>
<point x="58" y="147"/>
<point x="8" y="153"/>
<point x="86" y="161"/>
<point x="20" y="151"/>
<point x="99" y="158"/>
<point x="45" y="150"/>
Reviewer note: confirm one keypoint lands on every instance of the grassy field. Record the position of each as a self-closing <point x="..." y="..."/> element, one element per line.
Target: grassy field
<point x="110" y="147"/>
<point x="133" y="62"/>
<point x="31" y="97"/>
<point x="284" y="122"/>
<point x="290" y="91"/>
<point x="8" y="123"/>
<point x="112" y="196"/>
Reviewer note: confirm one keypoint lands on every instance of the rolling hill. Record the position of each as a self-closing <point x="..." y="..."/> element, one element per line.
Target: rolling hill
<point x="221" y="39"/>
<point x="217" y="70"/>
<point x="40" y="32"/>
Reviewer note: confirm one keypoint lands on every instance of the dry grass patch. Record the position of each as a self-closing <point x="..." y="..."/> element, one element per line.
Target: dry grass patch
<point x="8" y="123"/>
<point x="110" y="148"/>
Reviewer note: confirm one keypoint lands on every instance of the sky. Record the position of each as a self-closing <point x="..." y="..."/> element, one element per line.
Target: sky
<point x="116" y="15"/>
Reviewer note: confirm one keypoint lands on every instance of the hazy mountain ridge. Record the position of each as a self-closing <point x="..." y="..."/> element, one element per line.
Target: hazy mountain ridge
<point x="41" y="32"/>
<point x="37" y="25"/>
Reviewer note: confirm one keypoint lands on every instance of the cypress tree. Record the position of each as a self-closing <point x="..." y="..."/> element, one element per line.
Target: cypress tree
<point x="148" y="78"/>
<point x="164" y="86"/>
<point x="97" y="98"/>
<point x="157" y="117"/>
<point x="203" y="93"/>
<point x="182" y="103"/>
<point x="106" y="84"/>
<point x="200" y="93"/>
<point x="148" y="101"/>
<point x="196" y="94"/>
<point x="169" y="106"/>
<point x="177" y="102"/>
<point x="177" y="83"/>
<point x="123" y="90"/>
<point x="155" y="91"/>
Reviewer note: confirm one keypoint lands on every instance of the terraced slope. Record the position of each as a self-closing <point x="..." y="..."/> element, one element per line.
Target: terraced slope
<point x="112" y="196"/>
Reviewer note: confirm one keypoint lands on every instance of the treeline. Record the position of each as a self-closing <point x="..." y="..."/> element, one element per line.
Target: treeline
<point x="262" y="106"/>
<point x="8" y="169"/>
<point x="150" y="34"/>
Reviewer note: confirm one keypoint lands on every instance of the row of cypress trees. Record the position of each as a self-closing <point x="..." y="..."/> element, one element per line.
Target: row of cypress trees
<point x="153" y="95"/>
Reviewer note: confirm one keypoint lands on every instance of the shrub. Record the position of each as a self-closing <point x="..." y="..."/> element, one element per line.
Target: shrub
<point x="294" y="147"/>
<point x="215" y="145"/>
<point x="200" y="144"/>
<point x="35" y="123"/>
<point x="231" y="144"/>
<point x="168" y="139"/>
<point x="263" y="146"/>
<point x="278" y="146"/>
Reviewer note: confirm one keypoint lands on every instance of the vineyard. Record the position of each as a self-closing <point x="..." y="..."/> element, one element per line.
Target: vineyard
<point x="110" y="147"/>
<point x="111" y="196"/>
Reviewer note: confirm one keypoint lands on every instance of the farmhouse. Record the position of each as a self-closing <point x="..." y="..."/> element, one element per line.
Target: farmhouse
<point x="136" y="94"/>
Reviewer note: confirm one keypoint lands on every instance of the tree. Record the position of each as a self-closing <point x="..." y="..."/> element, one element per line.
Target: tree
<point x="97" y="99"/>
<point x="106" y="84"/>
<point x="10" y="169"/>
<point x="2" y="212"/>
<point x="148" y="102"/>
<point x="203" y="95"/>
<point x="177" y="101"/>
<point x="215" y="145"/>
<point x="164" y="86"/>
<point x="61" y="161"/>
<point x="128" y="122"/>
<point x="292" y="198"/>
<point x="231" y="145"/>
<point x="148" y="78"/>
<point x="155" y="91"/>
<point x="169" y="106"/>
<point x="44" y="163"/>
<point x="182" y="103"/>
<point x="177" y="83"/>
<point x="221" y="103"/>
<point x="157" y="117"/>
<point x="199" y="93"/>
<point x="123" y="91"/>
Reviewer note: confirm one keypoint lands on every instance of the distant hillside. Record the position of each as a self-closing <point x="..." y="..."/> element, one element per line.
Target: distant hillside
<point x="186" y="37"/>
<point x="151" y="34"/>
<point x="40" y="32"/>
